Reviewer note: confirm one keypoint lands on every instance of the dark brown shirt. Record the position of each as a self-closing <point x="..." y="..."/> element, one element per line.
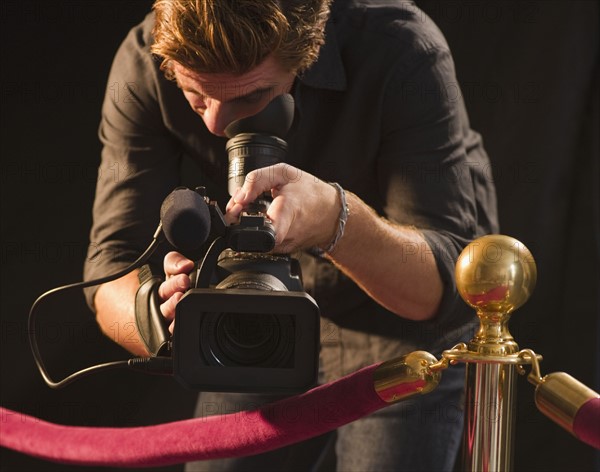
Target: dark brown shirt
<point x="380" y="112"/>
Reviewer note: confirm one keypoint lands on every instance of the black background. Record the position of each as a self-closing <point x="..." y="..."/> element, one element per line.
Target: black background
<point x="529" y="72"/>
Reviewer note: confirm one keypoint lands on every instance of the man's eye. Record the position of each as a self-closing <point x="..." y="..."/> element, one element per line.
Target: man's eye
<point x="253" y="97"/>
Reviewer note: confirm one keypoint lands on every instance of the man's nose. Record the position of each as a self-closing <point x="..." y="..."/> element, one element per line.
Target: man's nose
<point x="217" y="116"/>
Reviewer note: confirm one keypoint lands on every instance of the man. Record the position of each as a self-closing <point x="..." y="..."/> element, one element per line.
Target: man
<point x="379" y="112"/>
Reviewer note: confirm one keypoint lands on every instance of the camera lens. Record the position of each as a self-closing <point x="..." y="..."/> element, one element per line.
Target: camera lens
<point x="251" y="151"/>
<point x="254" y="339"/>
<point x="246" y="339"/>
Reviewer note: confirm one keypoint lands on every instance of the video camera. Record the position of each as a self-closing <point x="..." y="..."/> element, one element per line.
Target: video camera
<point x="246" y="325"/>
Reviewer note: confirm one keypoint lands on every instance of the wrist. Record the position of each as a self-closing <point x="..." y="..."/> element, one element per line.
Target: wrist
<point x="328" y="247"/>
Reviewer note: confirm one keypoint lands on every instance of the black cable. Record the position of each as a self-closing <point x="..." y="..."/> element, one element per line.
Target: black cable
<point x="158" y="365"/>
<point x="205" y="269"/>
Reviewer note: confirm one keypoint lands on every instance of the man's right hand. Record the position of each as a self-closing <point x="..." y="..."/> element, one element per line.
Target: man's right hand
<point x="177" y="269"/>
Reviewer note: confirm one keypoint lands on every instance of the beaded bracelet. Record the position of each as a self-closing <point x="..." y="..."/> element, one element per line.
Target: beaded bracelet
<point x="343" y="218"/>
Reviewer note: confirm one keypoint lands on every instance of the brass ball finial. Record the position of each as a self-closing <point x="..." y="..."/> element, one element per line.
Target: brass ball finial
<point x="495" y="274"/>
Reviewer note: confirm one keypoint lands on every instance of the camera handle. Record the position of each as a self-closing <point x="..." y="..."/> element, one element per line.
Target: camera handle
<point x="151" y="325"/>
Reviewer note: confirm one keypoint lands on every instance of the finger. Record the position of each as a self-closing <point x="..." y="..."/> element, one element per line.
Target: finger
<point x="176" y="284"/>
<point x="175" y="263"/>
<point x="168" y="307"/>
<point x="233" y="214"/>
<point x="265" y="179"/>
<point x="282" y="214"/>
<point x="229" y="205"/>
<point x="233" y="199"/>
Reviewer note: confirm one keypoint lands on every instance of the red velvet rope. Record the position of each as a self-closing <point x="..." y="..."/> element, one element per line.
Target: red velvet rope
<point x="251" y="432"/>
<point x="586" y="424"/>
<point x="238" y="434"/>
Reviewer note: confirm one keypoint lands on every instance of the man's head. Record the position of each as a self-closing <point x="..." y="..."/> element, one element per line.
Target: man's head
<point x="231" y="57"/>
<point x="234" y="36"/>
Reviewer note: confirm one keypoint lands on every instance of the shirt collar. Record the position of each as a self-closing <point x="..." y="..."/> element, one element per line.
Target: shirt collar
<point x="327" y="72"/>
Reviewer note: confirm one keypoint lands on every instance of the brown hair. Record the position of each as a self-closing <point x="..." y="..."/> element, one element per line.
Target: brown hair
<point x="234" y="36"/>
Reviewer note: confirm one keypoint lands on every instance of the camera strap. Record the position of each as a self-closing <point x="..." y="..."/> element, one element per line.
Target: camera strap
<point x="150" y="322"/>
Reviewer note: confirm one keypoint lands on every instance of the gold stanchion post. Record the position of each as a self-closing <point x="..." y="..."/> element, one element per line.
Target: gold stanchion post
<point x="495" y="275"/>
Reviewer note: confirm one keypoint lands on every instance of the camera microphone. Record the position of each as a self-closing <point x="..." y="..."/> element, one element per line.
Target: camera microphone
<point x="185" y="219"/>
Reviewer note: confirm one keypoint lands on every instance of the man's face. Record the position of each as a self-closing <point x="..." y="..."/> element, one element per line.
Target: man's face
<point x="222" y="98"/>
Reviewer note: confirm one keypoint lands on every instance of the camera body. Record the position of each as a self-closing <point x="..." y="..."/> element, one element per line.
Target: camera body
<point x="255" y="331"/>
<point x="251" y="328"/>
<point x="247" y="325"/>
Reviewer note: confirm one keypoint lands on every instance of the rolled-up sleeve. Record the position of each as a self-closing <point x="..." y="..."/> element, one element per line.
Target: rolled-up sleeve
<point x="430" y="164"/>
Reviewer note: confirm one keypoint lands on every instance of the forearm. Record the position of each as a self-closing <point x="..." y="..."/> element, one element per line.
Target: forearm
<point x="115" y="312"/>
<point x="392" y="263"/>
